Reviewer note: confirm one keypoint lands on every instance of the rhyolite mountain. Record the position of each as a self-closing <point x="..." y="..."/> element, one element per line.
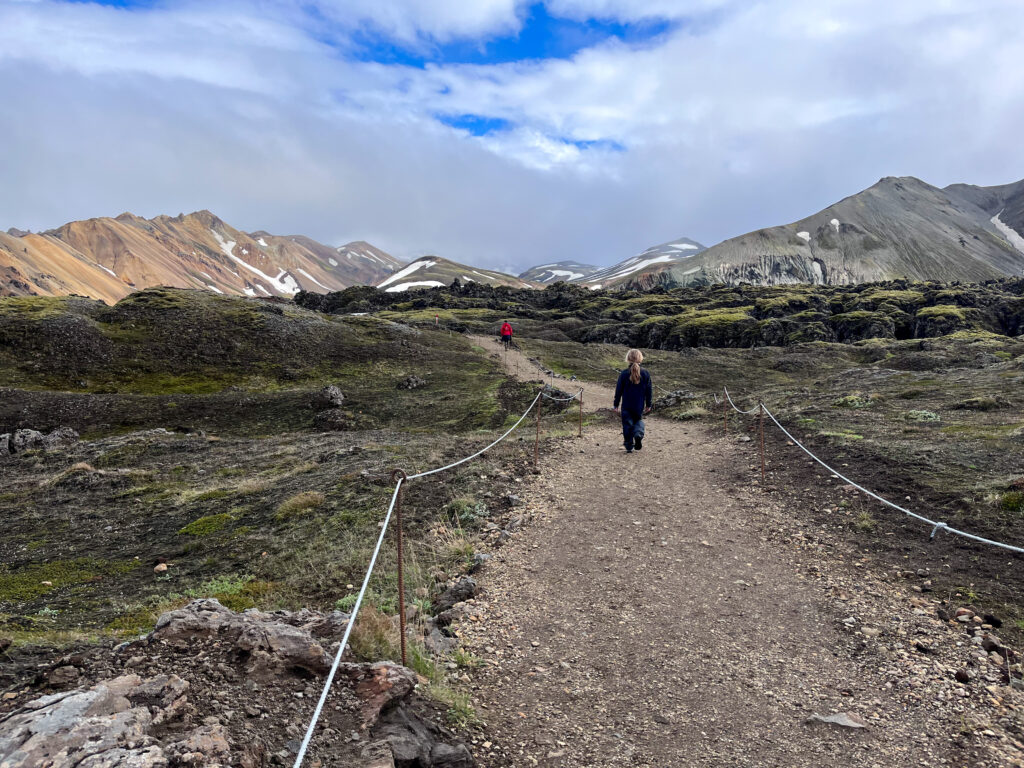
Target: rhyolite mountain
<point x="108" y="258"/>
<point x="642" y="270"/>
<point x="435" y="272"/>
<point x="898" y="228"/>
<point x="567" y="271"/>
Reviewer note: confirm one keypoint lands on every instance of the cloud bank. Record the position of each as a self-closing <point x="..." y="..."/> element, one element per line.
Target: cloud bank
<point x="499" y="133"/>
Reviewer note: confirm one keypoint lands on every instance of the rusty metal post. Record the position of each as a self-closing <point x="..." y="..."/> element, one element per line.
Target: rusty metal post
<point x="581" y="414"/>
<point x="536" y="442"/>
<point x="760" y="418"/>
<point x="725" y="412"/>
<point x="401" y="562"/>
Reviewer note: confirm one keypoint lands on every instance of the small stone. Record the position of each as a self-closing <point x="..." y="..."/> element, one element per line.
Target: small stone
<point x="160" y="568"/>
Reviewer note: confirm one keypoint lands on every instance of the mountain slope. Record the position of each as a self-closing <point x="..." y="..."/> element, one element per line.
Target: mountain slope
<point x="108" y="258"/>
<point x="643" y="269"/>
<point x="898" y="228"/>
<point x="434" y="272"/>
<point x="569" y="271"/>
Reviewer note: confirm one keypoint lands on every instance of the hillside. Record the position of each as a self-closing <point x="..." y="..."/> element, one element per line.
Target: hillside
<point x="435" y="272"/>
<point x="898" y="228"/>
<point x="108" y="258"/>
<point x="569" y="271"/>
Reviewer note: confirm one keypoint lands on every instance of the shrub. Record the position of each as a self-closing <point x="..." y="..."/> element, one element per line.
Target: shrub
<point x="921" y="416"/>
<point x="301" y="502"/>
<point x="1012" y="501"/>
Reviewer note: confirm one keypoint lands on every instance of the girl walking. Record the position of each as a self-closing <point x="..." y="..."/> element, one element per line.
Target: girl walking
<point x="634" y="392"/>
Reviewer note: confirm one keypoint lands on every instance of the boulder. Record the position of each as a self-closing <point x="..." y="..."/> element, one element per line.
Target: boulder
<point x="272" y="644"/>
<point x="27" y="440"/>
<point x="328" y="397"/>
<point x="412" y="382"/>
<point x="419" y="744"/>
<point x="108" y="724"/>
<point x="62" y="437"/>
<point x="5" y="444"/>
<point x="378" y="686"/>
<point x="461" y="590"/>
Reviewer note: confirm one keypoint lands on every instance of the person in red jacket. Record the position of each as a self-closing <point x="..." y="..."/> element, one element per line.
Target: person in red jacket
<point x="506" y="334"/>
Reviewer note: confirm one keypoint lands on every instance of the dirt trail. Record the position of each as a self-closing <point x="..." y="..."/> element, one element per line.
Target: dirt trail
<point x="595" y="396"/>
<point x="658" y="611"/>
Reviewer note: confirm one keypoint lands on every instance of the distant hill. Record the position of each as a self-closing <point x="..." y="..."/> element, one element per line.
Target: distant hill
<point x="434" y="272"/>
<point x="641" y="270"/>
<point x="569" y="271"/>
<point x="898" y="228"/>
<point x="108" y="258"/>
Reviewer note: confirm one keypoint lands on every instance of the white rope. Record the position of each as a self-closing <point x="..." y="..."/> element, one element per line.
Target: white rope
<point x="369" y="572"/>
<point x="348" y="630"/>
<point x="752" y="410"/>
<point x="936" y="526"/>
<point x="482" y="450"/>
<point x="563" y="399"/>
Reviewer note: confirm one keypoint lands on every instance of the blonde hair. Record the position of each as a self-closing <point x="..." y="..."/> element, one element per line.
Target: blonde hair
<point x="634" y="357"/>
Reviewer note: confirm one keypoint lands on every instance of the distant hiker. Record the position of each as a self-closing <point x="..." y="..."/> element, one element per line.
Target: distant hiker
<point x="634" y="391"/>
<point x="506" y="334"/>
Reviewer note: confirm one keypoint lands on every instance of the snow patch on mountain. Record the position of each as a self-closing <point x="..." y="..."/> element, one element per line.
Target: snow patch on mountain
<point x="415" y="284"/>
<point x="403" y="273"/>
<point x="1011" y="234"/>
<point x="304" y="272"/>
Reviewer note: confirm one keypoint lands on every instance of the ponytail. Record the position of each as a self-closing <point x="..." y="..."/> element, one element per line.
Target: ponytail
<point x="634" y="357"/>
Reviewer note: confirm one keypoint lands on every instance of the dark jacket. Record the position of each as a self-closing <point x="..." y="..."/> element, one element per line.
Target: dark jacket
<point x="634" y="397"/>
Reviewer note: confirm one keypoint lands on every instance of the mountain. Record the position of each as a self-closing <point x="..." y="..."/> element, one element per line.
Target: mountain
<point x="434" y="272"/>
<point x="568" y="271"/>
<point x="898" y="228"/>
<point x="108" y="258"/>
<point x="643" y="269"/>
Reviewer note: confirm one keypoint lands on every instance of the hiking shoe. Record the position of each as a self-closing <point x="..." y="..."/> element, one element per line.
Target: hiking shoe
<point x="628" y="447"/>
<point x="638" y="442"/>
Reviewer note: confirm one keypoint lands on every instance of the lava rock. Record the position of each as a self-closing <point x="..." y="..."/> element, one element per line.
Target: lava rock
<point x="461" y="590"/>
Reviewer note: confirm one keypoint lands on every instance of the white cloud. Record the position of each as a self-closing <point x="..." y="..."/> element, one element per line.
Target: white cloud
<point x="755" y="114"/>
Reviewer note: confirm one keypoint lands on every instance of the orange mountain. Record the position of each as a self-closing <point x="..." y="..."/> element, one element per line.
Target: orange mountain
<point x="108" y="258"/>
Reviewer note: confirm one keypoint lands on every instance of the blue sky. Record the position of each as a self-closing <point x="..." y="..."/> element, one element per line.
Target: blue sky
<point x="502" y="133"/>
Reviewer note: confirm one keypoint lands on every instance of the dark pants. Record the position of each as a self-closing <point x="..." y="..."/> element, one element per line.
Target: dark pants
<point x="506" y="340"/>
<point x="632" y="427"/>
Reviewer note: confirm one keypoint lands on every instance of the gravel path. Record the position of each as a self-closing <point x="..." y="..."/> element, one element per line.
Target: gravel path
<point x="659" y="610"/>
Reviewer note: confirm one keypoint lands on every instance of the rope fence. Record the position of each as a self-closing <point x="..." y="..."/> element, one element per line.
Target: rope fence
<point x="394" y="509"/>
<point x="936" y="526"/>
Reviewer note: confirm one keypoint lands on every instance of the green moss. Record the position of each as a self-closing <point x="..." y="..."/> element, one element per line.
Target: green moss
<point x="948" y="311"/>
<point x="204" y="526"/>
<point x="33" y="308"/>
<point x="213" y="494"/>
<point x="32" y="581"/>
<point x="921" y="416"/>
<point x="853" y="401"/>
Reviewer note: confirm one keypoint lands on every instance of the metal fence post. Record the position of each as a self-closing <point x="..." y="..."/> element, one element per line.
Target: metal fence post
<point x="760" y="418"/>
<point x="581" y="414"/>
<point x="536" y="442"/>
<point x="725" y="412"/>
<point x="401" y="563"/>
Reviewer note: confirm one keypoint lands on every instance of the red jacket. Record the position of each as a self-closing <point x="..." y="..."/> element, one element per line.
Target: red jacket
<point x="506" y="330"/>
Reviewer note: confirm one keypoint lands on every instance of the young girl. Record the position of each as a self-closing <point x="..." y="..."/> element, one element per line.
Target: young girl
<point x="633" y="390"/>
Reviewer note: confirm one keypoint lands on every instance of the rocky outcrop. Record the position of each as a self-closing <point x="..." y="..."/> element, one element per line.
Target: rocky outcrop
<point x="330" y="396"/>
<point x="33" y="440"/>
<point x="272" y="641"/>
<point x="112" y="723"/>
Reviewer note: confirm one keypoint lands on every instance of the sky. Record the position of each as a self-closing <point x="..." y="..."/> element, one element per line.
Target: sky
<point x="501" y="133"/>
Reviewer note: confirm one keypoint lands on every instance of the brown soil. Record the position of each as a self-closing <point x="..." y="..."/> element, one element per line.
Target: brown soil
<point x="661" y="611"/>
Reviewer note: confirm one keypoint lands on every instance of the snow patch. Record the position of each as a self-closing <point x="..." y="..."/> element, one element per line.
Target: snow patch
<point x="225" y="245"/>
<point x="683" y="246"/>
<point x="245" y="251"/>
<point x="594" y="287"/>
<point x="264" y="290"/>
<point x="107" y="270"/>
<point x="835" y="224"/>
<point x="418" y="284"/>
<point x="468" y="279"/>
<point x="805" y="236"/>
<point x="304" y="272"/>
<point x="214" y="288"/>
<point x="485" y="277"/>
<point x="568" y="275"/>
<point x="1011" y="234"/>
<point x="249" y="291"/>
<point x="207" y="275"/>
<point x="629" y="270"/>
<point x="332" y="262"/>
<point x="416" y="265"/>
<point x="262" y="242"/>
